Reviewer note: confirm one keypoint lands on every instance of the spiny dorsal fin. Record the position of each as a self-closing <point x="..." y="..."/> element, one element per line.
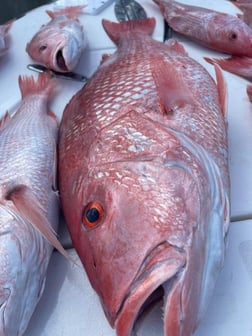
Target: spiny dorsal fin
<point x="43" y="85"/>
<point x="4" y="119"/>
<point x="72" y="12"/>
<point x="117" y="29"/>
<point x="30" y="209"/>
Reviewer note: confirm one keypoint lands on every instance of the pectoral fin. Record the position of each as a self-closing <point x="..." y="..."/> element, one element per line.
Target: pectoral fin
<point x="30" y="209"/>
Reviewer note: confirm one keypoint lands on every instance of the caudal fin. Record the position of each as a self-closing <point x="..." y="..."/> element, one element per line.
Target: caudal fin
<point x="115" y="30"/>
<point x="43" y="85"/>
<point x="72" y="12"/>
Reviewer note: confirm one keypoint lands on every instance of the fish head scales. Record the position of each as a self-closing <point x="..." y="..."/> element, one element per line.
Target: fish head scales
<point x="21" y="273"/>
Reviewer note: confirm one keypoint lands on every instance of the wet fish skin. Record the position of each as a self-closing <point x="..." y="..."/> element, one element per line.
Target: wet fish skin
<point x="143" y="179"/>
<point x="219" y="31"/>
<point x="58" y="45"/>
<point x="28" y="204"/>
<point x="4" y="30"/>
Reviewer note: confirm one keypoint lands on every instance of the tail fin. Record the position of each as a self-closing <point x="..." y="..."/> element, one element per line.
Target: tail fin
<point x="116" y="30"/>
<point x="72" y="12"/>
<point x="44" y="85"/>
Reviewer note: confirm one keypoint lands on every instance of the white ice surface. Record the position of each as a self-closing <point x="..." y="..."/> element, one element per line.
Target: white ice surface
<point x="69" y="306"/>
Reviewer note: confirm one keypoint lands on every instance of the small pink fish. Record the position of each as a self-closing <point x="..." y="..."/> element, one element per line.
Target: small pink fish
<point x="4" y="29"/>
<point x="143" y="179"/>
<point x="28" y="203"/>
<point x="215" y="30"/>
<point x="59" y="44"/>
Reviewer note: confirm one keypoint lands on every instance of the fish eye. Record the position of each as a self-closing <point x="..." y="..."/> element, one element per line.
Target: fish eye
<point x="93" y="214"/>
<point x="232" y="36"/>
<point x="43" y="47"/>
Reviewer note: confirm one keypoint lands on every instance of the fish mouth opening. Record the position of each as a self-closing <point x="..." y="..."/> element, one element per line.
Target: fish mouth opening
<point x="60" y="61"/>
<point x="155" y="280"/>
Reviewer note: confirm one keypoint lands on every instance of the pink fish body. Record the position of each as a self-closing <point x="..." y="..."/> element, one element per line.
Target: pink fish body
<point x="215" y="30"/>
<point x="59" y="44"/>
<point x="143" y="179"/>
<point x="4" y="30"/>
<point x="28" y="203"/>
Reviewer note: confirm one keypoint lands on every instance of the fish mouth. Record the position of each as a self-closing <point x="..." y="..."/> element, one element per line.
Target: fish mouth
<point x="60" y="61"/>
<point x="155" y="279"/>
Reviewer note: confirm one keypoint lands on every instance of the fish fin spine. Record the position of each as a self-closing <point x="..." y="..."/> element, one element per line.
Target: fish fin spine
<point x="72" y="12"/>
<point x="44" y="85"/>
<point x="115" y="30"/>
<point x="4" y="119"/>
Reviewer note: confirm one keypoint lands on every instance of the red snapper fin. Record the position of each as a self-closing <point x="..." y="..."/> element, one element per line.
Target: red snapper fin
<point x="44" y="85"/>
<point x="169" y="83"/>
<point x="249" y="92"/>
<point x="31" y="210"/>
<point x="72" y="12"/>
<point x="222" y="89"/>
<point x="4" y="119"/>
<point x="115" y="30"/>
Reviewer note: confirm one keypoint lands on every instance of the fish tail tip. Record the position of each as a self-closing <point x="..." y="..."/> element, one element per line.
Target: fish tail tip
<point x="116" y="29"/>
<point x="43" y="85"/>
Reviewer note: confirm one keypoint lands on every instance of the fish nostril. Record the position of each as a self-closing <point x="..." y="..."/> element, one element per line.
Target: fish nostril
<point x="61" y="61"/>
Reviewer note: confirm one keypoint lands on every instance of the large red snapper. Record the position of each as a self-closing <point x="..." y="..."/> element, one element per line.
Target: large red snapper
<point x="59" y="44"/>
<point x="28" y="203"/>
<point x="215" y="30"/>
<point x="143" y="179"/>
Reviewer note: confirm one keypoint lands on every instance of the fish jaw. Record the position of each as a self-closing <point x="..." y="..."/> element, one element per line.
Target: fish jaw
<point x="22" y="275"/>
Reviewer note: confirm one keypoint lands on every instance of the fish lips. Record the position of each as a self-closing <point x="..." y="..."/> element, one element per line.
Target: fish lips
<point x="161" y="267"/>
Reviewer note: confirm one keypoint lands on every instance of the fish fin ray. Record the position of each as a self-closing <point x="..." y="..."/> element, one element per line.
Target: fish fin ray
<point x="222" y="89"/>
<point x="44" y="85"/>
<point x="30" y="209"/>
<point x="116" y="29"/>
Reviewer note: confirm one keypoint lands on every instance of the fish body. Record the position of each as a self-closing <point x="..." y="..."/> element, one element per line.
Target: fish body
<point x="143" y="179"/>
<point x="246" y="8"/>
<point x="59" y="44"/>
<point x="4" y="30"/>
<point x="28" y="203"/>
<point x="215" y="30"/>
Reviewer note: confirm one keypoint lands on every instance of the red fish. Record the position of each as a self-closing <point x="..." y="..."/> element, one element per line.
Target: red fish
<point x="28" y="203"/>
<point x="59" y="44"/>
<point x="215" y="30"/>
<point x="143" y="179"/>
<point x="4" y="30"/>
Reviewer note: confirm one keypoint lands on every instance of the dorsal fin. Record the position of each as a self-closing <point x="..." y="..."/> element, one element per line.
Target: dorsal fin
<point x="30" y="209"/>
<point x="117" y="29"/>
<point x="72" y="12"/>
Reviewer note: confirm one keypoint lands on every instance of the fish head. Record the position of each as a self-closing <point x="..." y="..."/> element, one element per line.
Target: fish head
<point x="139" y="227"/>
<point x="20" y="283"/>
<point x="59" y="51"/>
<point x="231" y="34"/>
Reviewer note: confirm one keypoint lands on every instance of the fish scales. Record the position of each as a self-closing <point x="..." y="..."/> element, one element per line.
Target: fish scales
<point x="143" y="147"/>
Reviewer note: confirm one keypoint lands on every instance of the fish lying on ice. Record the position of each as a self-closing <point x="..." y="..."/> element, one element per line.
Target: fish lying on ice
<point x="28" y="203"/>
<point x="4" y="30"/>
<point x="215" y="30"/>
<point x="144" y="181"/>
<point x="59" y="44"/>
<point x="241" y="66"/>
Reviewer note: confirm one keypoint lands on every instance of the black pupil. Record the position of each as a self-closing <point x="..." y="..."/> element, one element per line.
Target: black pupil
<point x="92" y="215"/>
<point x="233" y="36"/>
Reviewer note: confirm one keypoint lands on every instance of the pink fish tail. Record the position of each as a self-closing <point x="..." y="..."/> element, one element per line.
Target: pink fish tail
<point x="43" y="85"/>
<point x="116" y="30"/>
<point x="72" y="12"/>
